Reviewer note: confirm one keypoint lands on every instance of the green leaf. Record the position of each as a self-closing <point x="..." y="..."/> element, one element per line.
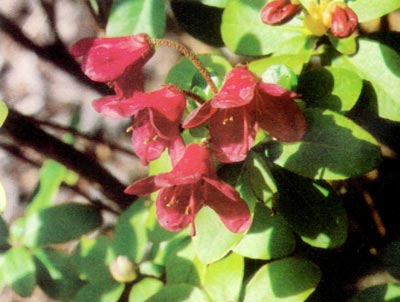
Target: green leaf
<point x="334" y="147"/>
<point x="379" y="65"/>
<point x="368" y="10"/>
<point x="346" y="46"/>
<point x="269" y="236"/>
<point x="144" y="289"/>
<point x="130" y="235"/>
<point x="312" y="209"/>
<point x="51" y="176"/>
<point x="293" y="61"/>
<point x="107" y="291"/>
<point x="92" y="258"/>
<point x="56" y="274"/>
<point x="179" y="293"/>
<point x="280" y="74"/>
<point x="128" y="17"/>
<point x="3" y="199"/>
<point x="3" y="112"/>
<point x="331" y="88"/>
<point x="3" y="281"/>
<point x="183" y="266"/>
<point x="244" y="33"/>
<point x="19" y="271"/>
<point x="286" y="280"/>
<point x="4" y="233"/>
<point x="213" y="240"/>
<point x="223" y="279"/>
<point x="60" y="223"/>
<point x="216" y="3"/>
<point x="379" y="293"/>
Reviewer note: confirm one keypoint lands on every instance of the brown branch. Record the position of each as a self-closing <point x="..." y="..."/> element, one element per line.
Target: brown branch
<point x="55" y="53"/>
<point x="26" y="133"/>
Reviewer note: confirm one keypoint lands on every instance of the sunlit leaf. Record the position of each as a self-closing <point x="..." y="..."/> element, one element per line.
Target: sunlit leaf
<point x="3" y="112"/>
<point x="368" y="10"/>
<point x="179" y="293"/>
<point x="334" y="147"/>
<point x="128" y="17"/>
<point x="3" y="198"/>
<point x="286" y="280"/>
<point x="144" y="289"/>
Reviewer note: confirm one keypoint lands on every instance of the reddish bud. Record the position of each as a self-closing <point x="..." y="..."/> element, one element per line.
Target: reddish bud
<point x="344" y="22"/>
<point x="279" y="11"/>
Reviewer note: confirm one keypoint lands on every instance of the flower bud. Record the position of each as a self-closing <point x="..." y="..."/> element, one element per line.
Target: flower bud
<point x="344" y="21"/>
<point x="279" y="11"/>
<point x="123" y="270"/>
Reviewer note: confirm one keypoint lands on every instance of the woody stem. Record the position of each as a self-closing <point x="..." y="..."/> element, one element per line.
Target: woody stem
<point x="191" y="56"/>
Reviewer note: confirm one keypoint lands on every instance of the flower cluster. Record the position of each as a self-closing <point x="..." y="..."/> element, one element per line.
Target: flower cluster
<point x="320" y="17"/>
<point x="235" y="113"/>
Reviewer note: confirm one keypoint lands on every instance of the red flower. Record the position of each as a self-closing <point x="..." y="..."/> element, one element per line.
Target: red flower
<point x="344" y="21"/>
<point x="118" y="61"/>
<point x="279" y="11"/>
<point x="157" y="116"/>
<point x="192" y="184"/>
<point x="243" y="104"/>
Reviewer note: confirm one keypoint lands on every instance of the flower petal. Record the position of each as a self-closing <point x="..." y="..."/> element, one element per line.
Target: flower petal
<point x="195" y="162"/>
<point x="105" y="59"/>
<point x="142" y="187"/>
<point x="238" y="89"/>
<point x="199" y="116"/>
<point x="232" y="133"/>
<point x="115" y="107"/>
<point x="173" y="207"/>
<point x="226" y="202"/>
<point x="278" y="114"/>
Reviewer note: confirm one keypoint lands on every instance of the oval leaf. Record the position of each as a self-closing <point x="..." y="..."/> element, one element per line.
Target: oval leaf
<point x="128" y="17"/>
<point x="144" y="289"/>
<point x="223" y="279"/>
<point x="287" y="280"/>
<point x="368" y="10"/>
<point x="331" y="88"/>
<point x="378" y="64"/>
<point x="244" y="33"/>
<point x="293" y="61"/>
<point x="19" y="271"/>
<point x="269" y="237"/>
<point x="100" y="292"/>
<point x="179" y="293"/>
<point x="334" y="147"/>
<point x="60" y="223"/>
<point x="313" y="210"/>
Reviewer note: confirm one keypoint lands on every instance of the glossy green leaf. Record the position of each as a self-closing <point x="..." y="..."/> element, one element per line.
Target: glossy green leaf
<point x="347" y="46"/>
<point x="151" y="269"/>
<point x="244" y="33"/>
<point x="331" y="88"/>
<point x="130" y="236"/>
<point x="378" y="64"/>
<point x="51" y="176"/>
<point x="293" y="61"/>
<point x="280" y="74"/>
<point x="19" y="271"/>
<point x="380" y="293"/>
<point x="183" y="266"/>
<point x="3" y="112"/>
<point x="217" y="3"/>
<point x="60" y="223"/>
<point x="144" y="289"/>
<point x="223" y="279"/>
<point x="92" y="258"/>
<point x="179" y="293"/>
<point x="56" y="275"/>
<point x="4" y="233"/>
<point x="269" y="236"/>
<point x="186" y="76"/>
<point x="312" y="209"/>
<point x="368" y="10"/>
<point x="213" y="240"/>
<point x="334" y="147"/>
<point x="286" y="280"/>
<point x="107" y="291"/>
<point x="128" y="17"/>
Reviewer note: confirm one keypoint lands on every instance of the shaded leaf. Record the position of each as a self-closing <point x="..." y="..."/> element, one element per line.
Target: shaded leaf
<point x="269" y="237"/>
<point x="128" y="17"/>
<point x="179" y="293"/>
<point x="19" y="271"/>
<point x="334" y="147"/>
<point x="108" y="291"/>
<point x="379" y="293"/>
<point x="288" y="280"/>
<point x="60" y="223"/>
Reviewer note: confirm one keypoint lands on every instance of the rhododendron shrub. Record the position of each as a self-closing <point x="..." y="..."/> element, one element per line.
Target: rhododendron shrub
<point x="247" y="162"/>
